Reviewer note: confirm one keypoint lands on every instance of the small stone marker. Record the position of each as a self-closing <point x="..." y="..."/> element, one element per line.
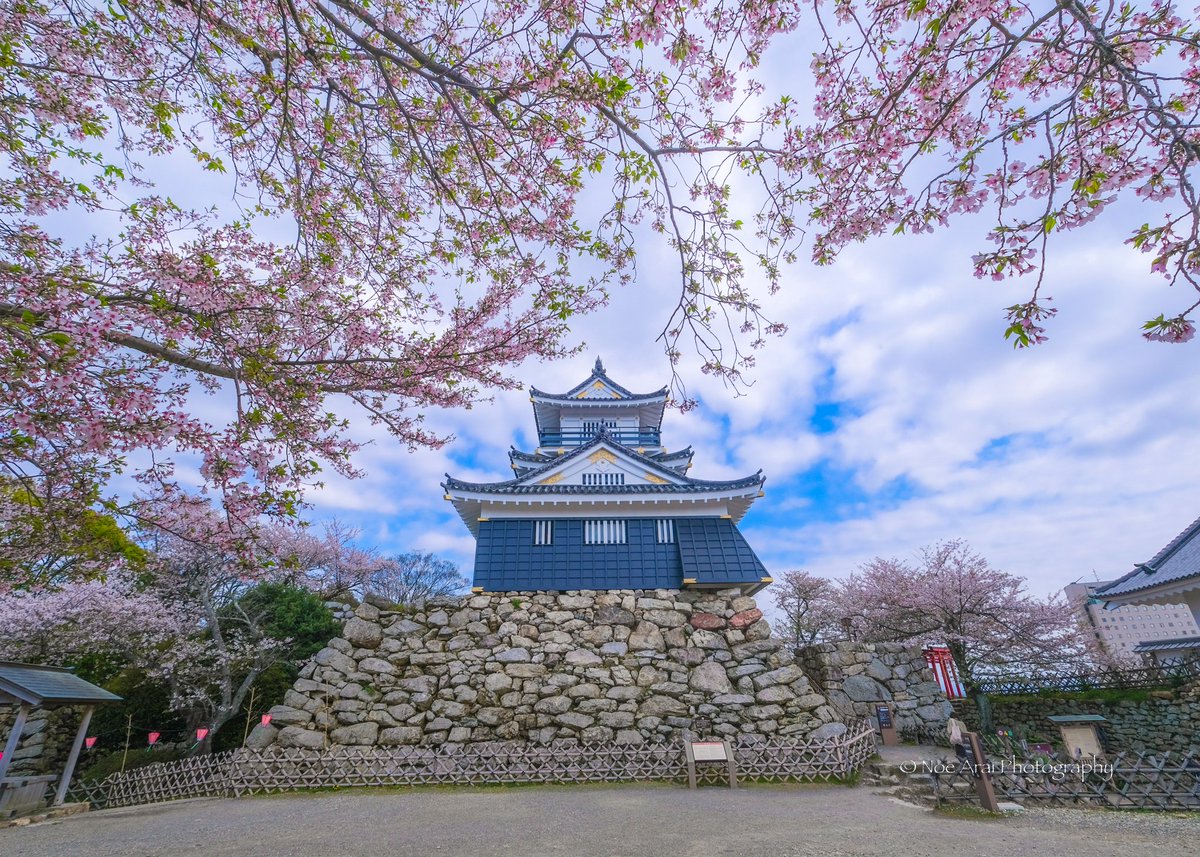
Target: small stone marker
<point x="707" y="752"/>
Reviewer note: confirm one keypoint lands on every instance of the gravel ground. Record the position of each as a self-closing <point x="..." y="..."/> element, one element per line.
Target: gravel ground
<point x="596" y="821"/>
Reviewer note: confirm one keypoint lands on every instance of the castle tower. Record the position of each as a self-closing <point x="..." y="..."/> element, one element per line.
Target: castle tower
<point x="602" y="504"/>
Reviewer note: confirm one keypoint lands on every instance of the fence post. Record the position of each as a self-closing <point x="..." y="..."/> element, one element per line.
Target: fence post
<point x="983" y="777"/>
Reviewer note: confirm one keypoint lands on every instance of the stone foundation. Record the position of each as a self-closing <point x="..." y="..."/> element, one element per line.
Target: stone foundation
<point x="1164" y="721"/>
<point x="854" y="677"/>
<point x="626" y="666"/>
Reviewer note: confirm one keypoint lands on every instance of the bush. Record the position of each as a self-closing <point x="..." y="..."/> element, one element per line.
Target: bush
<point x="110" y="763"/>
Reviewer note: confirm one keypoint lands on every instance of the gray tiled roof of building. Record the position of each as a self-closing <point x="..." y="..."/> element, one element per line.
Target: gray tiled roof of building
<point x="1165" y="645"/>
<point x="1179" y="560"/>
<point x="42" y="685"/>
<point x="515" y="486"/>
<point x="598" y="374"/>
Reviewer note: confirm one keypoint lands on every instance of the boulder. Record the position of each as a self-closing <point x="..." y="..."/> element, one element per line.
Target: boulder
<point x="710" y="677"/>
<point x="582" y="658"/>
<point x="332" y="658"/>
<point x="289" y="716"/>
<point x="362" y="734"/>
<point x="707" y="621"/>
<point x="745" y="619"/>
<point x="261" y="737"/>
<point x="297" y="737"/>
<point x="877" y="669"/>
<point x="615" y="616"/>
<point x="827" y="732"/>
<point x="760" y="630"/>
<point x="863" y="688"/>
<point x="364" y="634"/>
<point x="513" y="656"/>
<point x="783" y="675"/>
<point x="647" y="637"/>
<point x="376" y="666"/>
<point x="575" y="720"/>
<point x="662" y="706"/>
<point x="665" y="618"/>
<point x="400" y="735"/>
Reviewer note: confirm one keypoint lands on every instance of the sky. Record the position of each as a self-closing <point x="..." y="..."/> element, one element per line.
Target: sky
<point x="892" y="414"/>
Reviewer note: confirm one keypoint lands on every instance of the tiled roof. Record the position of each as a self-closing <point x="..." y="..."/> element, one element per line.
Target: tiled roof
<point x="708" y="551"/>
<point x="1178" y="561"/>
<point x="713" y="550"/>
<point x="597" y="375"/>
<point x="1165" y="645"/>
<point x="517" y="486"/>
<point x="39" y="685"/>
<point x="512" y="486"/>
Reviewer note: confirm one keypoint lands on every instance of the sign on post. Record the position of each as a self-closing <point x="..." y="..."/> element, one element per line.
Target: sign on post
<point x="887" y="729"/>
<point x="708" y="752"/>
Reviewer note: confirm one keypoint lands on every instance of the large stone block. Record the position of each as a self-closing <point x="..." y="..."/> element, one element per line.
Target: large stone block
<point x="364" y="634"/>
<point x="710" y="677"/>
<point x="863" y="688"/>
<point x="613" y="615"/>
<point x="647" y="637"/>
<point x="400" y="735"/>
<point x="298" y="737"/>
<point x="289" y="716"/>
<point x="332" y="658"/>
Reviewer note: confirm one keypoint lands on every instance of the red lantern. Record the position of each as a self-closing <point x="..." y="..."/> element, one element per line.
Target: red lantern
<point x="266" y="720"/>
<point x="90" y="741"/>
<point x="154" y="736"/>
<point x="200" y="733"/>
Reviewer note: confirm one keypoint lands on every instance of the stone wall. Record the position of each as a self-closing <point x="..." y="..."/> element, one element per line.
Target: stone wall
<point x="855" y="676"/>
<point x="45" y="740"/>
<point x="626" y="666"/>
<point x="1168" y="721"/>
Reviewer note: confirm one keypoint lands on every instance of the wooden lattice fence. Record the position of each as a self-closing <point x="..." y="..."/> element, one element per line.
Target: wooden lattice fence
<point x="248" y="772"/>
<point x="1165" y="781"/>
<point x="195" y="776"/>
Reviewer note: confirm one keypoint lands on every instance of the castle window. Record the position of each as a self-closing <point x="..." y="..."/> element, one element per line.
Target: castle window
<point x="543" y="532"/>
<point x="591" y="427"/>
<point x="604" y="532"/>
<point x="603" y="478"/>
<point x="664" y="531"/>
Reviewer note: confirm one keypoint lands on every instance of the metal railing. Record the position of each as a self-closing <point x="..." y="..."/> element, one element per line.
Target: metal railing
<point x="1073" y="682"/>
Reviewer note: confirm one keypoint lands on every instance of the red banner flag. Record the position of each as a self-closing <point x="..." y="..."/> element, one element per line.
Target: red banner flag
<point x="90" y="741"/>
<point x="154" y="736"/>
<point x="200" y="733"/>
<point x="266" y="720"/>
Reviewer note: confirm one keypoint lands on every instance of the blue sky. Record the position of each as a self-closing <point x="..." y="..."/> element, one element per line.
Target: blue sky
<point x="893" y="413"/>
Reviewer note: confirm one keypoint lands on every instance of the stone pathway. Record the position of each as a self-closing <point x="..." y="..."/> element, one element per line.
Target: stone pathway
<point x="594" y="821"/>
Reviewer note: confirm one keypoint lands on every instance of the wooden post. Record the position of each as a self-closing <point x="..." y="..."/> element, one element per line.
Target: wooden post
<point x="983" y="777"/>
<point x="249" y="714"/>
<point x="128" y="729"/>
<point x="14" y="738"/>
<point x="60" y="794"/>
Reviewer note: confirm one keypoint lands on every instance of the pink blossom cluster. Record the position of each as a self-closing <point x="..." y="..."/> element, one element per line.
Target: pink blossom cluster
<point x="1044" y="113"/>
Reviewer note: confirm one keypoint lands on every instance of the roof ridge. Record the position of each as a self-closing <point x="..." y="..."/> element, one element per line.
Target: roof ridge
<point x="1172" y="546"/>
<point x="523" y="481"/>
